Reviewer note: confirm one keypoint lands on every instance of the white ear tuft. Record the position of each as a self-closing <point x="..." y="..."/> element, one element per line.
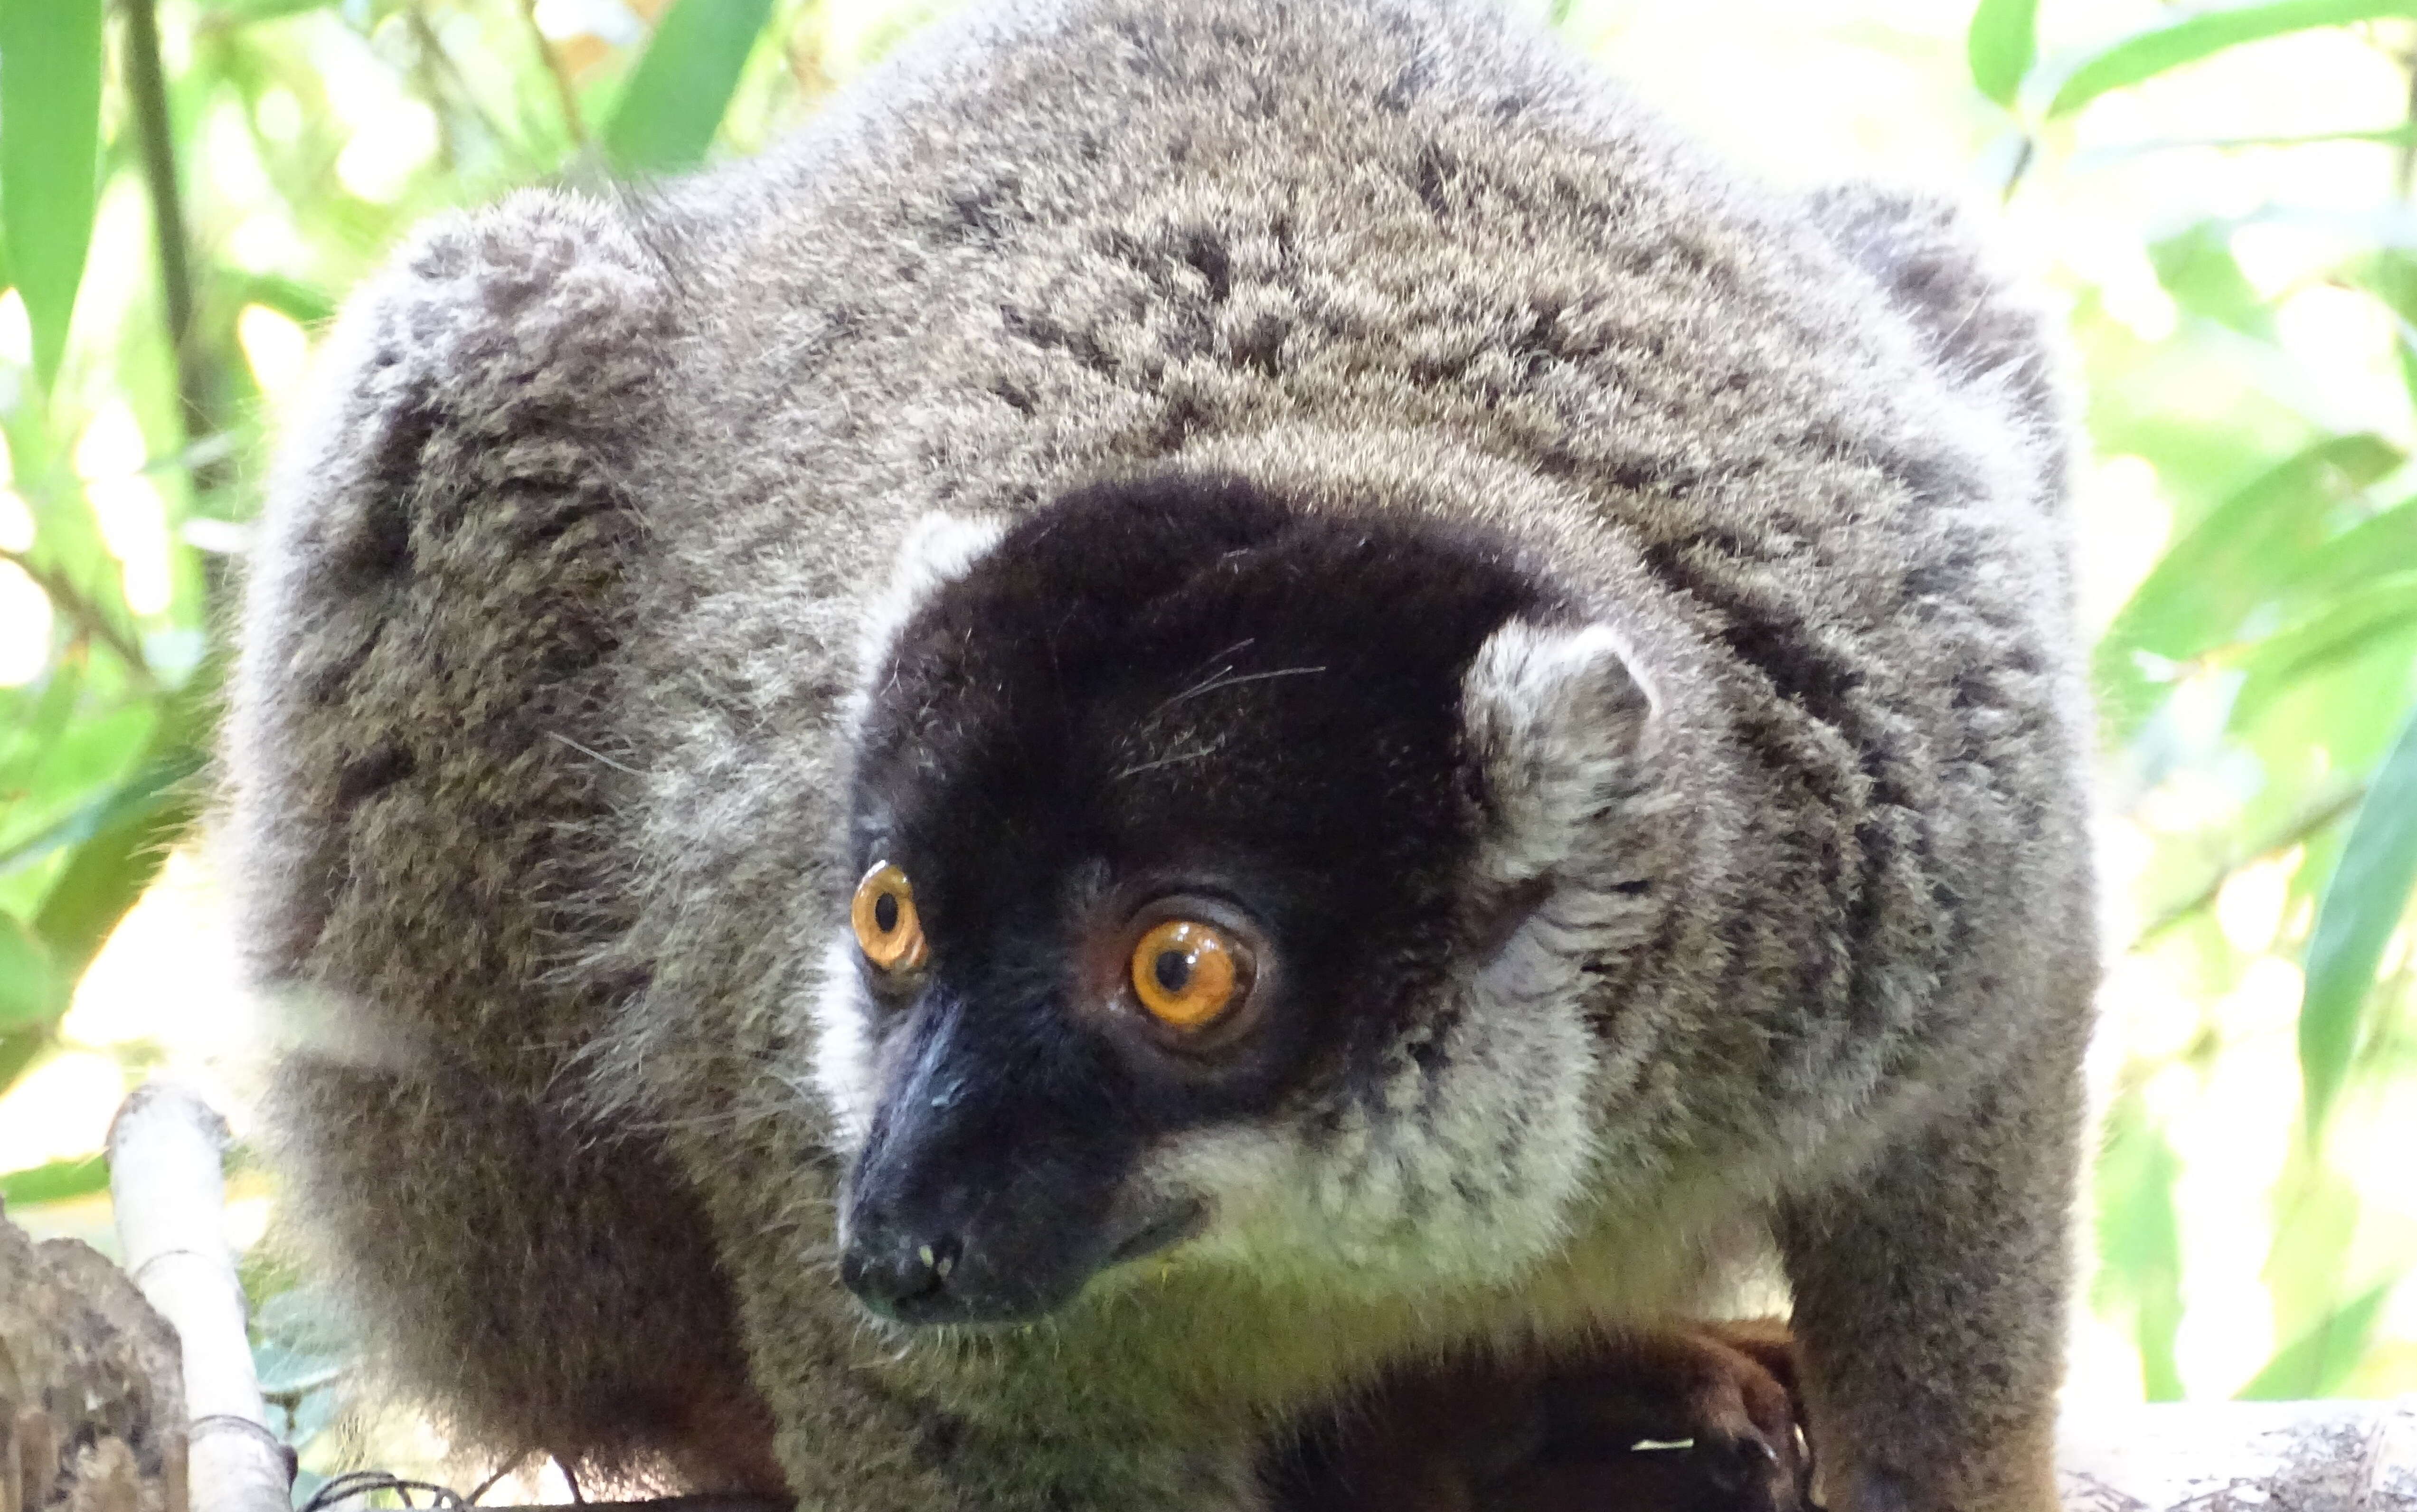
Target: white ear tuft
<point x="1554" y="716"/>
<point x="938" y="549"/>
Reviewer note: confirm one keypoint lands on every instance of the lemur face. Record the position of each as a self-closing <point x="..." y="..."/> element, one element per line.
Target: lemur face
<point x="1181" y="923"/>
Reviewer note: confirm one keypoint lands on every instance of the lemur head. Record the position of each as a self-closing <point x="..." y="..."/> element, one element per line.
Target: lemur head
<point x="1226" y="890"/>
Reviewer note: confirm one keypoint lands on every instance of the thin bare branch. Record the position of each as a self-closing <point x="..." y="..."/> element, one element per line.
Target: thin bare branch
<point x="559" y="72"/>
<point x="2310" y="821"/>
<point x="89" y="619"/>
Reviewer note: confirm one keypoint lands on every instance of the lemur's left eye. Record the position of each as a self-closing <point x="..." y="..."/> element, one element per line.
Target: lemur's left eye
<point x="886" y="928"/>
<point x="1187" y="973"/>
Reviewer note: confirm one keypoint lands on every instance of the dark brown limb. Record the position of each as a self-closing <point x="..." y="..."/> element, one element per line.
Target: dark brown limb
<point x="1693" y="1418"/>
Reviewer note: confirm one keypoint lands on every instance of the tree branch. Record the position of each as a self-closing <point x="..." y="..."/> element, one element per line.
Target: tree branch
<point x="2404" y="157"/>
<point x="560" y="72"/>
<point x="2298" y="829"/>
<point x="88" y="618"/>
<point x="146" y="85"/>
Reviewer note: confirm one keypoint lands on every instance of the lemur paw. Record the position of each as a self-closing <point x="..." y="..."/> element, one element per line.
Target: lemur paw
<point x="1695" y="1418"/>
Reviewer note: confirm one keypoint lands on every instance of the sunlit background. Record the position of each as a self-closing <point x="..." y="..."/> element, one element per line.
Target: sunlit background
<point x="2227" y="241"/>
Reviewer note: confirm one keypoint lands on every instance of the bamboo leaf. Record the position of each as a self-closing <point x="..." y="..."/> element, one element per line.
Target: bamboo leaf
<point x="111" y="866"/>
<point x="130" y="802"/>
<point x="2343" y="628"/>
<point x="17" y="1050"/>
<point x="2316" y="1214"/>
<point x="107" y="873"/>
<point x="2000" y="45"/>
<point x="2391" y="276"/>
<point x="35" y="728"/>
<point x="57" y="1182"/>
<point x="307" y="303"/>
<point x="31" y="994"/>
<point x="239" y="11"/>
<point x="50" y="156"/>
<point x="2197" y="267"/>
<point x="2170" y="45"/>
<point x="675" y="98"/>
<point x="2139" y="1240"/>
<point x="2363" y="901"/>
<point x="2319" y="1361"/>
<point x="2384" y="136"/>
<point x="2243" y="555"/>
<point x="2380" y="545"/>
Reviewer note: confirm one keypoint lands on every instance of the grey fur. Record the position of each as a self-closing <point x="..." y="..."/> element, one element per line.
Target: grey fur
<point x="539" y="739"/>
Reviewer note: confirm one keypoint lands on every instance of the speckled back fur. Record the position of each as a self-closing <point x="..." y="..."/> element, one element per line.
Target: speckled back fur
<point x="536" y="755"/>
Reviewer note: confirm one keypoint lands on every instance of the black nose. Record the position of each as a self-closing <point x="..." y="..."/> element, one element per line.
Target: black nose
<point x="901" y="1275"/>
<point x="962" y="1262"/>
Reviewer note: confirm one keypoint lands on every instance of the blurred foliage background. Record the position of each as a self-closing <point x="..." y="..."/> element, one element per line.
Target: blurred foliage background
<point x="2219" y="200"/>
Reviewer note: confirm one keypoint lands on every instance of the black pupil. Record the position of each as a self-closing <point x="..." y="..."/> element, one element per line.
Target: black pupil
<point x="884" y="912"/>
<point x="1173" y="969"/>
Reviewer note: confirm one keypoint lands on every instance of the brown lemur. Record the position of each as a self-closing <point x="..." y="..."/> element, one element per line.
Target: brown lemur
<point x="1210" y="699"/>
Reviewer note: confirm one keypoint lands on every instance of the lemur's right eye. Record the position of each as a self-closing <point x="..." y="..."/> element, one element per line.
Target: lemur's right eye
<point x="886" y="927"/>
<point x="1187" y="974"/>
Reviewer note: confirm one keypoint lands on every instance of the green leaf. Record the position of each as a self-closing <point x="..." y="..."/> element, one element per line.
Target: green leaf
<point x="2316" y="1214"/>
<point x="2378" y="546"/>
<point x="672" y="104"/>
<point x="107" y="873"/>
<point x="2197" y="268"/>
<point x="36" y="732"/>
<point x="2139" y="1240"/>
<point x="284" y="1370"/>
<point x="2383" y="136"/>
<point x="2001" y="45"/>
<point x="2319" y="1361"/>
<point x="2242" y="555"/>
<point x="131" y="801"/>
<point x="31" y="993"/>
<point x="2391" y="276"/>
<point x="50" y="158"/>
<point x="19" y="1050"/>
<point x="2345" y="627"/>
<point x="238" y="12"/>
<point x="57" y="1181"/>
<point x="2168" y="45"/>
<point x="92" y="753"/>
<point x="305" y="302"/>
<point x="2363" y="903"/>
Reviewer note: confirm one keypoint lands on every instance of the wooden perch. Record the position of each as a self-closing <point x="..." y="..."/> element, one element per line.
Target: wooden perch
<point x="2245" y="1457"/>
<point x="165" y="1180"/>
<point x="92" y="1418"/>
<point x="2183" y="1457"/>
<point x="165" y="1150"/>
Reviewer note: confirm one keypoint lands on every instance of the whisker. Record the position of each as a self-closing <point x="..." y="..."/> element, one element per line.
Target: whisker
<point x="1167" y="761"/>
<point x="597" y="756"/>
<point x="1222" y="680"/>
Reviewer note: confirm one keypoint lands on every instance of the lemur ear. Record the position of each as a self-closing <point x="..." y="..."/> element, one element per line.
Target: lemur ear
<point x="1553" y="715"/>
<point x="938" y="549"/>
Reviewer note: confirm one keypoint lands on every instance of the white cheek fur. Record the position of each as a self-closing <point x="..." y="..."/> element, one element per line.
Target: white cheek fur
<point x="843" y="1070"/>
<point x="1461" y="1168"/>
<point x="937" y="549"/>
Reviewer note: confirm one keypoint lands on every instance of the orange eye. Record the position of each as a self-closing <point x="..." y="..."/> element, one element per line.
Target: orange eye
<point x="886" y="928"/>
<point x="1187" y="973"/>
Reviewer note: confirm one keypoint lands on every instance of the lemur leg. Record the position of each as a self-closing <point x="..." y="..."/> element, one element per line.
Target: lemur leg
<point x="1694" y="1418"/>
<point x="1930" y="1296"/>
